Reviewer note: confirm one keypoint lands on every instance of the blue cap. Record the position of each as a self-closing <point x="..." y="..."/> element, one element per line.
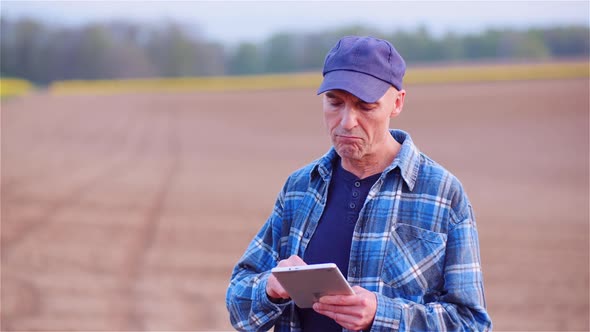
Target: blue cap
<point x="364" y="66"/>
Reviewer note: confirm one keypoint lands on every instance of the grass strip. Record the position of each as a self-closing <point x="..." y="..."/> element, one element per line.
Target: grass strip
<point x="419" y="75"/>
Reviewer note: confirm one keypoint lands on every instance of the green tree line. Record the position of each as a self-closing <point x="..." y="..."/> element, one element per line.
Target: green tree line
<point x="42" y="52"/>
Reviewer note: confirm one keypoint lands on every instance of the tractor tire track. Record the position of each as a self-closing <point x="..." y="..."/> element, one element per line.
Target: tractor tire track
<point x="141" y="245"/>
<point x="20" y="299"/>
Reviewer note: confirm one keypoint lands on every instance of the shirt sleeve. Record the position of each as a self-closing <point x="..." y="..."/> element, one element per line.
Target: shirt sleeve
<point x="249" y="307"/>
<point x="461" y="305"/>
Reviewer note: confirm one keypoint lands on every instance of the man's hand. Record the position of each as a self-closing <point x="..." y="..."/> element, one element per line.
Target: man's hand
<point x="274" y="290"/>
<point x="354" y="312"/>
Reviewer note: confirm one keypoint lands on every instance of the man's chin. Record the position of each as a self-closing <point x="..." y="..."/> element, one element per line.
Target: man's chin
<point x="348" y="152"/>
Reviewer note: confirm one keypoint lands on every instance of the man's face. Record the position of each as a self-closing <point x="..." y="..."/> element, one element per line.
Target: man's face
<point x="358" y="129"/>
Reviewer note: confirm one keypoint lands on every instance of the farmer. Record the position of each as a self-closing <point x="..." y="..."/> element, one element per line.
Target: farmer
<point x="397" y="224"/>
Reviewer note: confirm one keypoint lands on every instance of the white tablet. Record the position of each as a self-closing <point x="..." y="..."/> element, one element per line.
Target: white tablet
<point x="307" y="283"/>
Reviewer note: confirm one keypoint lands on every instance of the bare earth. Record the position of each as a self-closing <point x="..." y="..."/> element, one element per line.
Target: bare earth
<point x="125" y="213"/>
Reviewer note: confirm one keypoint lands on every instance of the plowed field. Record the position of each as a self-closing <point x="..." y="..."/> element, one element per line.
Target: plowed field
<point x="128" y="212"/>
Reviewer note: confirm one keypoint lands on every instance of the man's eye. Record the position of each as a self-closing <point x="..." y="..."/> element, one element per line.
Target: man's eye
<point x="367" y="107"/>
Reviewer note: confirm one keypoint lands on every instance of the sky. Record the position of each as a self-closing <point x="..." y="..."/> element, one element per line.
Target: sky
<point x="236" y="21"/>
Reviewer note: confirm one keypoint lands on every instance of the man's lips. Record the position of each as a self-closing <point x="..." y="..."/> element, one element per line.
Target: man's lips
<point x="346" y="137"/>
<point x="347" y="140"/>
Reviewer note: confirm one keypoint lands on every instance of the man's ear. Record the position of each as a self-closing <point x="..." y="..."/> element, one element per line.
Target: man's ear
<point x="399" y="103"/>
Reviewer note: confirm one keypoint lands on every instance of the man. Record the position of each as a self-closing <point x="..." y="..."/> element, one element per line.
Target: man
<point x="397" y="224"/>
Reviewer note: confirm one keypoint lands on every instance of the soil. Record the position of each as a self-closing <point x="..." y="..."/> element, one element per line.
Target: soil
<point x="128" y="212"/>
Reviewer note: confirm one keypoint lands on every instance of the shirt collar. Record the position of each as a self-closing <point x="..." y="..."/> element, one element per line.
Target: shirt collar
<point x="407" y="160"/>
<point x="324" y="165"/>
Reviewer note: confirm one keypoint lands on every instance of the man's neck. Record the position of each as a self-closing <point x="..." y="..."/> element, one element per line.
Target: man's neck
<point x="374" y="163"/>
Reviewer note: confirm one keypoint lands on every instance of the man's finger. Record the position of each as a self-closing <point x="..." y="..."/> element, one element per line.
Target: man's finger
<point x="341" y="299"/>
<point x="296" y="260"/>
<point x="274" y="288"/>
<point x="340" y="318"/>
<point x="293" y="260"/>
<point x="345" y="310"/>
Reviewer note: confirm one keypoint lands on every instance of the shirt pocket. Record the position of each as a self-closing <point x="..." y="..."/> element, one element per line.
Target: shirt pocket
<point x="414" y="261"/>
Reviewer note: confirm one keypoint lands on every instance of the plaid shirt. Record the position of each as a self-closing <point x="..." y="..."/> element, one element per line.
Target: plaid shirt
<point x="415" y="245"/>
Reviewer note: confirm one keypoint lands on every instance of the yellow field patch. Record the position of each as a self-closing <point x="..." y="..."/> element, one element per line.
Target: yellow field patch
<point x="10" y="87"/>
<point x="418" y="75"/>
<point x="219" y="83"/>
<point x="499" y="72"/>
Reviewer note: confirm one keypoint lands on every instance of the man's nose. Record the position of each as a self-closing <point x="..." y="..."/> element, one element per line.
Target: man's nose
<point x="348" y="120"/>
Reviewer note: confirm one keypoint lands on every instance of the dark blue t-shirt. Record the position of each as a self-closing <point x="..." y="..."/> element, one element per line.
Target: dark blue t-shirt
<point x="332" y="239"/>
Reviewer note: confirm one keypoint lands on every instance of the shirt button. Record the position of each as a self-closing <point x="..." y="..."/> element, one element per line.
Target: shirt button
<point x="355" y="194"/>
<point x="357" y="184"/>
<point x="307" y="233"/>
<point x="352" y="205"/>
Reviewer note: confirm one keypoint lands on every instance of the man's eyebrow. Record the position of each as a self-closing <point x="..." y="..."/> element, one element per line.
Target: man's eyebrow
<point x="360" y="101"/>
<point x="331" y="94"/>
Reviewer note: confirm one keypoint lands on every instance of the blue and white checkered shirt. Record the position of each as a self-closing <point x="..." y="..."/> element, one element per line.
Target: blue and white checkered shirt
<point x="415" y="245"/>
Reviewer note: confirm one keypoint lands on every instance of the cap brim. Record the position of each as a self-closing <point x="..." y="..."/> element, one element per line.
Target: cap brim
<point x="365" y="87"/>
